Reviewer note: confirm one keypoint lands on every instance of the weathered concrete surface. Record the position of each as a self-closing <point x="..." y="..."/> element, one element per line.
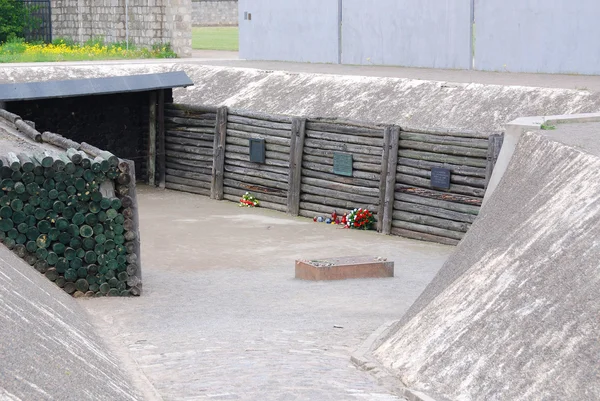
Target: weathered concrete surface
<point x="223" y="318"/>
<point x="48" y="348"/>
<point x="513" y="314"/>
<point x="407" y="102"/>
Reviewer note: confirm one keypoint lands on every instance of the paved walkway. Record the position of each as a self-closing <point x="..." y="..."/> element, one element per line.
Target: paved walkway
<point x="589" y="83"/>
<point x="223" y="318"/>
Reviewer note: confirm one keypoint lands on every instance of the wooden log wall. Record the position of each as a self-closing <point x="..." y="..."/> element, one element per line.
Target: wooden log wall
<point x="189" y="137"/>
<point x="428" y="214"/>
<point x="268" y="181"/>
<point x="322" y="191"/>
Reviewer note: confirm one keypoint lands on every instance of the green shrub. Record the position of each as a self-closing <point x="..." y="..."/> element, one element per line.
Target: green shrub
<point x="12" y="19"/>
<point x="63" y="41"/>
<point x="13" y="46"/>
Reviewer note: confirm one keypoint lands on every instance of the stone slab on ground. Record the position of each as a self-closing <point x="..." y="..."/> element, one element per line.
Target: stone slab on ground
<point x="342" y="268"/>
<point x="223" y="318"/>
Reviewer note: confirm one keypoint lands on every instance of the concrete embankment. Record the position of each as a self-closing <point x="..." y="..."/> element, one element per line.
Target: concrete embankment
<point x="513" y="314"/>
<point x="48" y="348"/>
<point x="406" y="102"/>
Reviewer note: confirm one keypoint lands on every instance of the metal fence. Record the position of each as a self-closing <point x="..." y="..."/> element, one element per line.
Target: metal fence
<point x="38" y="21"/>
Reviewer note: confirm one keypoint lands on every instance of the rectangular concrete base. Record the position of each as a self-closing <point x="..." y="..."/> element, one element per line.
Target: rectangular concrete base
<point x="344" y="268"/>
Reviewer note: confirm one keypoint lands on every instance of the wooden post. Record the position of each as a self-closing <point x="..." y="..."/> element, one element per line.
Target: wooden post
<point x="296" y="151"/>
<point x="390" y="180"/>
<point x="382" y="178"/>
<point x="494" y="147"/>
<point x="152" y="140"/>
<point x="161" y="150"/>
<point x="216" y="187"/>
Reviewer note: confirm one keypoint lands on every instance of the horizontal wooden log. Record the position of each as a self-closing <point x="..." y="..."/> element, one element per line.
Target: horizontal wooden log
<point x="269" y="146"/>
<point x="454" y="168"/>
<point x="470" y="210"/>
<point x="368" y="175"/>
<point x="333" y="194"/>
<point x="434" y="212"/>
<point x="263" y="204"/>
<point x="192" y="169"/>
<point x="258" y="166"/>
<point x="427" y="229"/>
<point x="245" y="158"/>
<point x="254" y="188"/>
<point x="329" y="207"/>
<point x="190" y="122"/>
<point x="423" y="237"/>
<point x="189" y="149"/>
<point x="445" y="140"/>
<point x="188" y="175"/>
<point x="90" y="149"/>
<point x="449" y="132"/>
<point x="243" y="150"/>
<point x="190" y="163"/>
<point x="31" y="132"/>
<point x="57" y="140"/>
<point x="250" y="172"/>
<point x="259" y="130"/>
<point x="352" y="189"/>
<point x="186" y="181"/>
<point x="191" y="108"/>
<point x="430" y="221"/>
<point x="256" y="180"/>
<point x="357" y="163"/>
<point x="268" y="139"/>
<point x="438" y="157"/>
<point x="7" y="115"/>
<point x="190" y="130"/>
<point x="433" y="194"/>
<point x="260" y="116"/>
<point x="191" y="135"/>
<point x="444" y="149"/>
<point x="345" y="138"/>
<point x="425" y="183"/>
<point x="341" y="179"/>
<point x="187" y="188"/>
<point x="343" y="205"/>
<point x="344" y="147"/>
<point x="328" y="154"/>
<point x="344" y="128"/>
<point x="189" y="141"/>
<point x="454" y="178"/>
<point x="280" y="200"/>
<point x="190" y="114"/>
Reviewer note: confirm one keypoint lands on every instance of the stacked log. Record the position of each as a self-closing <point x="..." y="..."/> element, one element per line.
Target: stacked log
<point x="322" y="191"/>
<point x="53" y="215"/>
<point x="269" y="182"/>
<point x="424" y="213"/>
<point x="189" y="141"/>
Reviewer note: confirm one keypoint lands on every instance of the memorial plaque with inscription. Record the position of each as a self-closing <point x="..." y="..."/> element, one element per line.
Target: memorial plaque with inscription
<point x="342" y="164"/>
<point x="257" y="150"/>
<point x="440" y="178"/>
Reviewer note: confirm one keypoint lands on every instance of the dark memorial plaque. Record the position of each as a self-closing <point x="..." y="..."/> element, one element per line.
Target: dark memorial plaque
<point x="257" y="150"/>
<point x="342" y="164"/>
<point x="440" y="178"/>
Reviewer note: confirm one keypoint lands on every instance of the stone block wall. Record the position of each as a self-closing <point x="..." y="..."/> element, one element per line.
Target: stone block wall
<point x="215" y="12"/>
<point x="146" y="22"/>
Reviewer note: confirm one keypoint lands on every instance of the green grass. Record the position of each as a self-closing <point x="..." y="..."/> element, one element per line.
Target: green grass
<point x="215" y="38"/>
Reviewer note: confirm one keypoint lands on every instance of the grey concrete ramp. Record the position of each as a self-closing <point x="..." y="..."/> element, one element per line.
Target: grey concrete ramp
<point x="48" y="349"/>
<point x="513" y="314"/>
<point x="405" y="102"/>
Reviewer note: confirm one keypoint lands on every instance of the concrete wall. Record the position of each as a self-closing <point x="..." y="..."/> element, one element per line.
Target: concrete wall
<point x="426" y="33"/>
<point x="214" y="12"/>
<point x="557" y="36"/>
<point x="292" y="30"/>
<point x="149" y="22"/>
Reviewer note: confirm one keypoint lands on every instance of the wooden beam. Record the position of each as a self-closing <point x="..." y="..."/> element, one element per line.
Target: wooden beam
<point x="495" y="145"/>
<point x="151" y="170"/>
<point x="161" y="163"/>
<point x="216" y="189"/>
<point x="390" y="181"/>
<point x="295" y="175"/>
